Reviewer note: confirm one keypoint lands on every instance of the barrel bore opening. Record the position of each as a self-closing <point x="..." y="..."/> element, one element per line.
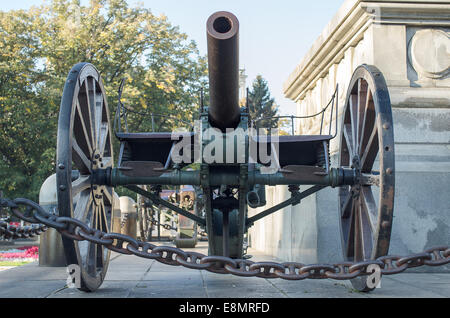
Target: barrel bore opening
<point x="222" y="25"/>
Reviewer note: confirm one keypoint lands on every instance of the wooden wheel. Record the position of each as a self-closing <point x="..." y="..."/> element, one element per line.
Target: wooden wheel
<point x="367" y="145"/>
<point x="84" y="144"/>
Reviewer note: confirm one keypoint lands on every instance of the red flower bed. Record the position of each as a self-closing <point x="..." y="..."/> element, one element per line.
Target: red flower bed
<point x="28" y="252"/>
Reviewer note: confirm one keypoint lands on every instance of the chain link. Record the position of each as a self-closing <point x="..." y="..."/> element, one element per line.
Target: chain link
<point x="170" y="227"/>
<point x="12" y="232"/>
<point x="165" y="226"/>
<point x="78" y="230"/>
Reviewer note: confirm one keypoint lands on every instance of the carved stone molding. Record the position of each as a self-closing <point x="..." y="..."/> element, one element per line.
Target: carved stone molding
<point x="429" y="53"/>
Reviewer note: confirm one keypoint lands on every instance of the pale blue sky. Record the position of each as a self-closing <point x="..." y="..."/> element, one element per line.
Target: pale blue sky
<point x="274" y="35"/>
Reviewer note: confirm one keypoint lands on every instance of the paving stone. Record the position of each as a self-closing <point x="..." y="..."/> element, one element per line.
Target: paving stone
<point x="317" y="289"/>
<point x="30" y="289"/>
<point x="390" y="287"/>
<point x="153" y="275"/>
<point x="109" y="289"/>
<point x="130" y="276"/>
<point x="161" y="290"/>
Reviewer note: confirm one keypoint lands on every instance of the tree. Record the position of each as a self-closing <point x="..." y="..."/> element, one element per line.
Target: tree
<point x="262" y="106"/>
<point x="163" y="70"/>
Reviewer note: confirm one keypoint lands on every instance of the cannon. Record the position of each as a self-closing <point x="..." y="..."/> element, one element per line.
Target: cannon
<point x="235" y="161"/>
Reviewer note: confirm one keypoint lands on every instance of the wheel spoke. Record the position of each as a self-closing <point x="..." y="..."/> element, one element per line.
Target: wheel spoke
<point x="350" y="232"/>
<point x="85" y="111"/>
<point x="370" y="179"/>
<point x="101" y="225"/>
<point x="81" y="160"/>
<point x="107" y="162"/>
<point x="90" y="92"/>
<point x="98" y="106"/>
<point x="103" y="137"/>
<point x="367" y="232"/>
<point x="362" y="109"/>
<point x="82" y="183"/>
<point x="92" y="259"/>
<point x="100" y="255"/>
<point x="359" y="238"/>
<point x="369" y="207"/>
<point x="103" y="219"/>
<point x="98" y="217"/>
<point x="108" y="195"/>
<point x="354" y="120"/>
<point x="371" y="151"/>
<point x="348" y="135"/>
<point x="83" y="205"/>
<point x="346" y="200"/>
<point x="93" y="216"/>
<point x="344" y="160"/>
<point x="83" y="136"/>
<point x="368" y="122"/>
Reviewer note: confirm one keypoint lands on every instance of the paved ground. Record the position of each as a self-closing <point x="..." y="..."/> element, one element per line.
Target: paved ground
<point x="130" y="276"/>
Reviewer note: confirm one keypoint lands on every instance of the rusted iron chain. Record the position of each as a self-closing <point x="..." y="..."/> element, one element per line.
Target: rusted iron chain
<point x="170" y="227"/>
<point x="165" y="226"/>
<point x="12" y="232"/>
<point x="77" y="230"/>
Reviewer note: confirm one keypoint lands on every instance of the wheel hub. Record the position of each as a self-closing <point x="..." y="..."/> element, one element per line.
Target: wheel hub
<point x="97" y="191"/>
<point x="356" y="165"/>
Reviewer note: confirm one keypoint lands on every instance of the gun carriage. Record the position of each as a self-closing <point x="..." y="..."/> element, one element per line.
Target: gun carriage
<point x="234" y="180"/>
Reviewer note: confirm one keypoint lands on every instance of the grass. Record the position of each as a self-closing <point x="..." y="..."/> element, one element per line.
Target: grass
<point x="17" y="263"/>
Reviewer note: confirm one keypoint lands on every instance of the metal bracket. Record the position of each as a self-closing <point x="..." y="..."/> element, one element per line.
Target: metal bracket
<point x="327" y="156"/>
<point x="294" y="200"/>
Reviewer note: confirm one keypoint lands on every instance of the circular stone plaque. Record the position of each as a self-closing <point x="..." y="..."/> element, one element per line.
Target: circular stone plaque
<point x="429" y="53"/>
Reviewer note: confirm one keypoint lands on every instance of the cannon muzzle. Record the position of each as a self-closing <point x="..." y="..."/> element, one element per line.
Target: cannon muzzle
<point x="223" y="60"/>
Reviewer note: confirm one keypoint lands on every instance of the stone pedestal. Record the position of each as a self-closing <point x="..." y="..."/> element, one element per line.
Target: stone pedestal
<point x="409" y="41"/>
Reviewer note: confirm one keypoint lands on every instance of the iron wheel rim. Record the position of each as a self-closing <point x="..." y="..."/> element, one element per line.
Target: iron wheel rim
<point x="84" y="144"/>
<point x="367" y="144"/>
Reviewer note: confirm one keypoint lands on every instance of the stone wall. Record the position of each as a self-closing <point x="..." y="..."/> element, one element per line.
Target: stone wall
<point x="409" y="41"/>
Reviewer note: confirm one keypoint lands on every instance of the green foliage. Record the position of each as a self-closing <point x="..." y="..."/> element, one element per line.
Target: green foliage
<point x="261" y="105"/>
<point x="18" y="263"/>
<point x="163" y="70"/>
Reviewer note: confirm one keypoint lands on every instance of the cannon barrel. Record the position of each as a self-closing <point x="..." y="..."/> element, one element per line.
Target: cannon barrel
<point x="223" y="62"/>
